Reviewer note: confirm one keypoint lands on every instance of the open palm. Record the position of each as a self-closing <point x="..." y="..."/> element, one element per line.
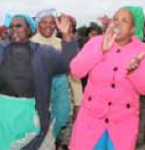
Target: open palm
<point x="63" y="24"/>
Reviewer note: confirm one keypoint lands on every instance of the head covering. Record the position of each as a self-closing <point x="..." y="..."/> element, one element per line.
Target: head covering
<point x="138" y="15"/>
<point x="45" y="13"/>
<point x="2" y="29"/>
<point x="29" y="20"/>
<point x="94" y="27"/>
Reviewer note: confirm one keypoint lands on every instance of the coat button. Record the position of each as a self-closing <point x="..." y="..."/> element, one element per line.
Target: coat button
<point x="89" y="98"/>
<point x="106" y="120"/>
<point x="118" y="51"/>
<point x="128" y="105"/>
<point x="113" y="85"/>
<point x="115" y="69"/>
<point x="109" y="103"/>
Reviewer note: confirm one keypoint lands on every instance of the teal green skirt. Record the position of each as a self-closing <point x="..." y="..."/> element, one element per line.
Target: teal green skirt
<point x="19" y="122"/>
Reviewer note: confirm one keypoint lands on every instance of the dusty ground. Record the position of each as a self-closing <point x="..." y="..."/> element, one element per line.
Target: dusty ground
<point x="141" y="148"/>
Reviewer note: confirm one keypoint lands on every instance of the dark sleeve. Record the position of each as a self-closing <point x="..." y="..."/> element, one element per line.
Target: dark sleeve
<point x="56" y="63"/>
<point x="60" y="61"/>
<point x="35" y="144"/>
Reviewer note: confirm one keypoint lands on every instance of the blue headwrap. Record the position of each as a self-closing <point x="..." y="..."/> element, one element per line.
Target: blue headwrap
<point x="29" y="20"/>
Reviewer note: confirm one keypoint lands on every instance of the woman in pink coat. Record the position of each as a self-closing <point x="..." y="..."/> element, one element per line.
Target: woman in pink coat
<point x="109" y="115"/>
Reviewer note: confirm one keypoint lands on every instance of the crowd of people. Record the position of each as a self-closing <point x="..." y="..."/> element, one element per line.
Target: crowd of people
<point x="69" y="88"/>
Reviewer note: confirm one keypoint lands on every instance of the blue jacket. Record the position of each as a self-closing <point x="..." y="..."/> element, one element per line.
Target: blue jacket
<point x="46" y="62"/>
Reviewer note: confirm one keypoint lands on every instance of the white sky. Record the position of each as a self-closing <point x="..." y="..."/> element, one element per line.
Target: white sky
<point x="84" y="10"/>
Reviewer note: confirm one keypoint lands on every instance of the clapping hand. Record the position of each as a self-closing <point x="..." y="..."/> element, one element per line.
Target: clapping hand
<point x="135" y="62"/>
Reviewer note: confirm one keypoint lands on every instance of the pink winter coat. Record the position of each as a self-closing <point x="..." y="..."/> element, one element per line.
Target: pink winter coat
<point x="111" y="98"/>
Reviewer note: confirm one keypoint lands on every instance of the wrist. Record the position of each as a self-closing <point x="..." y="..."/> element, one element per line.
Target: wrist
<point x="67" y="37"/>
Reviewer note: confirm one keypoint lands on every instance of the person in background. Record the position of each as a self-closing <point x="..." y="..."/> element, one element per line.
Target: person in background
<point x="94" y="30"/>
<point x="105" y="20"/>
<point x="75" y="83"/>
<point x="26" y="72"/>
<point x="82" y="35"/>
<point x="76" y="95"/>
<point x="60" y="94"/>
<point x="141" y="138"/>
<point x="109" y="115"/>
<point x="4" y="33"/>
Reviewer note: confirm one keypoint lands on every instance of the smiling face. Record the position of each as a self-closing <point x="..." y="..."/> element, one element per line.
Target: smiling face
<point x="47" y="26"/>
<point x="19" y="30"/>
<point x="124" y="25"/>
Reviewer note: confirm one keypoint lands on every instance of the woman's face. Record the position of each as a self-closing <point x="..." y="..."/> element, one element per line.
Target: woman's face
<point x="47" y="26"/>
<point x="19" y="30"/>
<point x="123" y="24"/>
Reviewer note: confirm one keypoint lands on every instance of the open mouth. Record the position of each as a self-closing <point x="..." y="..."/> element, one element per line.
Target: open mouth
<point x="17" y="36"/>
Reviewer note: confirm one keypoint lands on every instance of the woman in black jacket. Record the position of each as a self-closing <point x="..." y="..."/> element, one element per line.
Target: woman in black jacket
<point x="26" y="71"/>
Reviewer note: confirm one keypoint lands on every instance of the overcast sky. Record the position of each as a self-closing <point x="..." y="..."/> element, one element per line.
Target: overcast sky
<point x="84" y="10"/>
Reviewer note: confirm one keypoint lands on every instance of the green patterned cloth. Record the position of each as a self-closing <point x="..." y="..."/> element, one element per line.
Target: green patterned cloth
<point x="19" y="122"/>
<point x="138" y="15"/>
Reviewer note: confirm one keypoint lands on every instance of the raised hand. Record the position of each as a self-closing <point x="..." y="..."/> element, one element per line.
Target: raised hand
<point x="63" y="24"/>
<point x="135" y="62"/>
<point x="109" y="38"/>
